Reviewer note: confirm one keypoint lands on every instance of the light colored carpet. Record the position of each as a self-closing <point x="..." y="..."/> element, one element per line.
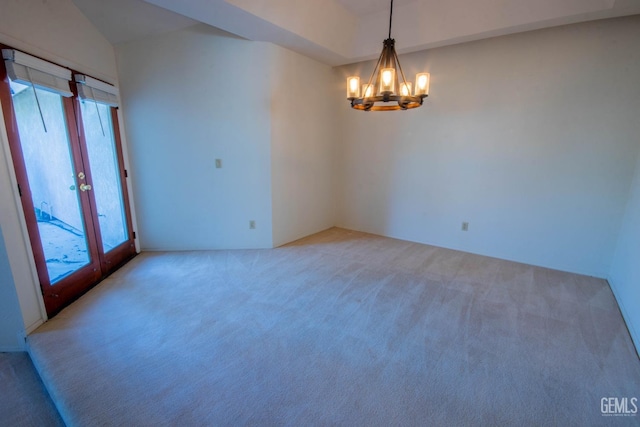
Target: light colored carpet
<point x="24" y="402"/>
<point x="341" y="328"/>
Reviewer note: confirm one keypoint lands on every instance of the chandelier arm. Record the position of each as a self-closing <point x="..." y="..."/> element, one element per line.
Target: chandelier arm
<point x="404" y="80"/>
<point x="373" y="90"/>
<point x="401" y="103"/>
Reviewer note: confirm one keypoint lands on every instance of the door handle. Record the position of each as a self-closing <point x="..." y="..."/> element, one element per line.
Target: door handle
<point x="85" y="187"/>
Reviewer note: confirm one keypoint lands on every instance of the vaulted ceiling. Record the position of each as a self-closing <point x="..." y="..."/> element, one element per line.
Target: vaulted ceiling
<point x="344" y="31"/>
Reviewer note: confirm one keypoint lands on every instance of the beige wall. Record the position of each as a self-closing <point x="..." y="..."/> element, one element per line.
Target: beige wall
<point x="198" y="94"/>
<point x="303" y="144"/>
<point x="625" y="272"/>
<point x="190" y="97"/>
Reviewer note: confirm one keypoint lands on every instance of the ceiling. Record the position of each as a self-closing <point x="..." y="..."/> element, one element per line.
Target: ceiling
<point x="338" y="32"/>
<point x="364" y="7"/>
<point x="126" y="20"/>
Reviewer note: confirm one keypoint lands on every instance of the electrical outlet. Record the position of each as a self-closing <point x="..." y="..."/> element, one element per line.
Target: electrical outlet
<point x="218" y="163"/>
<point x="465" y="226"/>
<point x="252" y="225"/>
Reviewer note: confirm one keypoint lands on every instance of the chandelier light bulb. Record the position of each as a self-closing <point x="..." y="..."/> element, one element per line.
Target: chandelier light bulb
<point x="387" y="80"/>
<point x="353" y="87"/>
<point x="386" y="77"/>
<point x="405" y="89"/>
<point x="367" y="91"/>
<point x="422" y="84"/>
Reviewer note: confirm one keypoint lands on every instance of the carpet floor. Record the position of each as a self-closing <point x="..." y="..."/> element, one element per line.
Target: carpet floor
<point x="340" y="328"/>
<point x="24" y="402"/>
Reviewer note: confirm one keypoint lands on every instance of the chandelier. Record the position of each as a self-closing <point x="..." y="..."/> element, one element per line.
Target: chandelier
<point x="384" y="91"/>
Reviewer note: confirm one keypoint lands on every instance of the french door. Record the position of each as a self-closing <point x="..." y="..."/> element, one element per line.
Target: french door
<point x="69" y="167"/>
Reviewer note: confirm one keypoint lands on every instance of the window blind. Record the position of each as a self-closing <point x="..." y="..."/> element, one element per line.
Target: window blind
<point x="95" y="90"/>
<point x="29" y="70"/>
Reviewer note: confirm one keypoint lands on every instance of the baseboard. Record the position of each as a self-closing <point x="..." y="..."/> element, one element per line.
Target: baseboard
<point x="635" y="337"/>
<point x="19" y="347"/>
<point x="12" y="349"/>
<point x="34" y="326"/>
<point x="600" y="274"/>
<point x="300" y="236"/>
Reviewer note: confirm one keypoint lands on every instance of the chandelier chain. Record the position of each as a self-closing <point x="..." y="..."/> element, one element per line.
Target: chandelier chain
<point x="390" y="18"/>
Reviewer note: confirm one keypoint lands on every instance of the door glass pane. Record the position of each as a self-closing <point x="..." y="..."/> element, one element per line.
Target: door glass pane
<point x="105" y="173"/>
<point x="48" y="159"/>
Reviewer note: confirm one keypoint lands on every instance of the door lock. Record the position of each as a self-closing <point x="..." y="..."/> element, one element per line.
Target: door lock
<point x="81" y="175"/>
<point x="85" y="187"/>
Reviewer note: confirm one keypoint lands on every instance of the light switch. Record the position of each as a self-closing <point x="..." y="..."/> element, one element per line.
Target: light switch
<point x="218" y="163"/>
